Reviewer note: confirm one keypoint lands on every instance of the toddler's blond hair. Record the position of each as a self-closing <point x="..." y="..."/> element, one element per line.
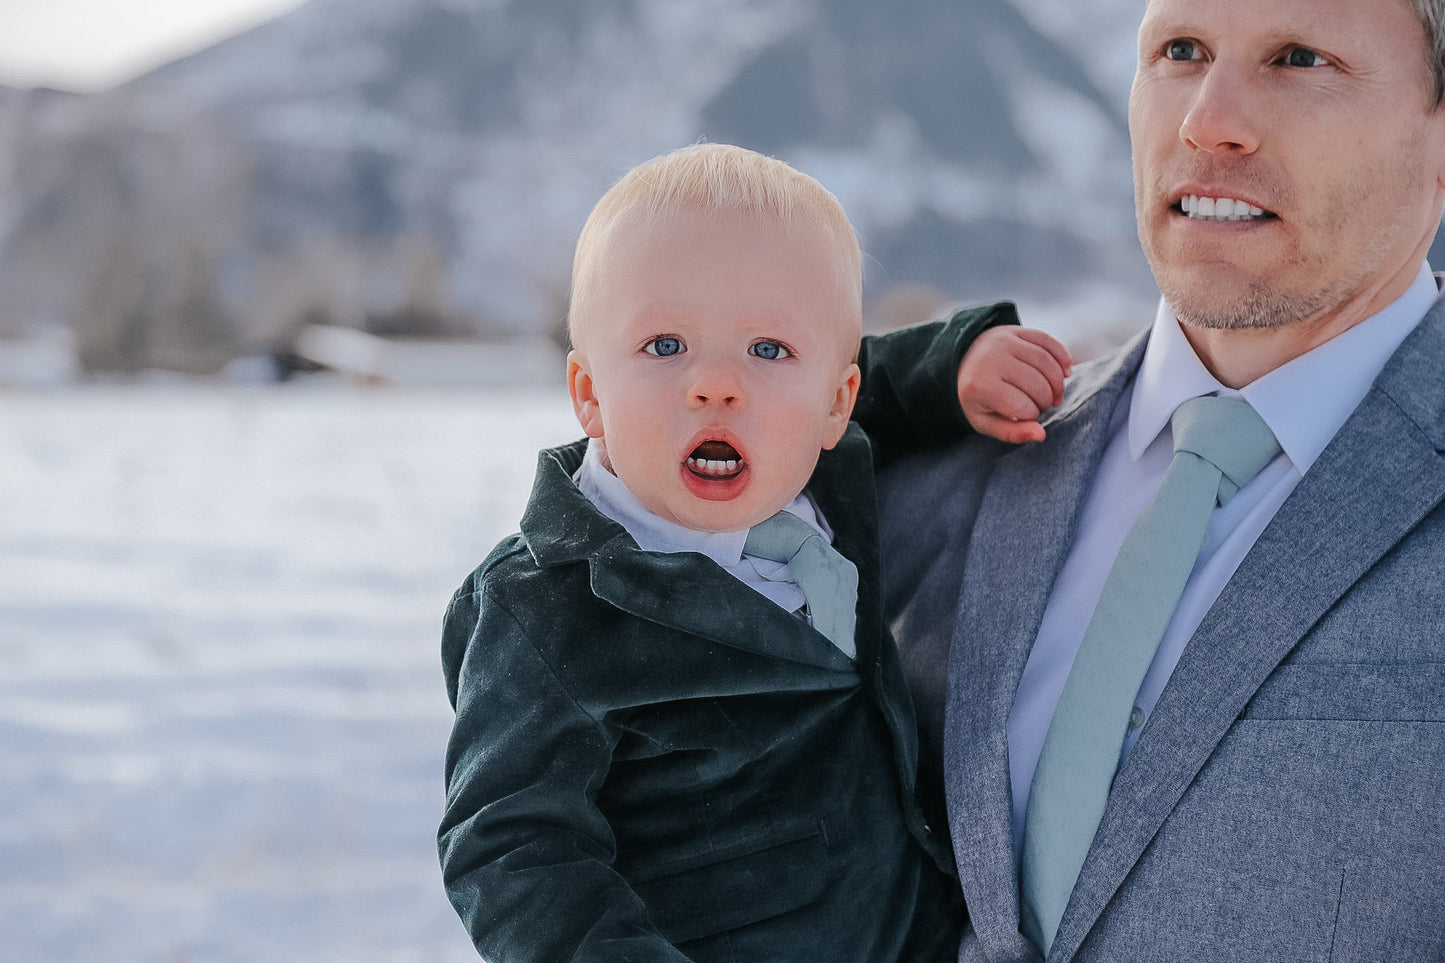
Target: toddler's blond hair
<point x="721" y="179"/>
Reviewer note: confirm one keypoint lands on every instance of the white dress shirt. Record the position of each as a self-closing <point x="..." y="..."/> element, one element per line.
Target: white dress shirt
<point x="1304" y="403"/>
<point x="654" y="533"/>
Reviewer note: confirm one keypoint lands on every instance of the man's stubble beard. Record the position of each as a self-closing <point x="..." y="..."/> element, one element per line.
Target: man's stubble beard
<point x="1262" y="306"/>
<point x="1269" y="303"/>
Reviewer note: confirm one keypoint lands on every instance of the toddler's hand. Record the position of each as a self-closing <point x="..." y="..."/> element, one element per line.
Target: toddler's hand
<point x="1008" y="378"/>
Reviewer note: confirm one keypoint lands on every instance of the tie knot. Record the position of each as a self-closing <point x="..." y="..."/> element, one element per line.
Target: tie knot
<point x="779" y="537"/>
<point x="829" y="581"/>
<point x="1227" y="433"/>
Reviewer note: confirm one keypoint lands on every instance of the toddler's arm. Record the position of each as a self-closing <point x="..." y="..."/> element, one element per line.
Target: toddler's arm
<point x="918" y="380"/>
<point x="909" y="396"/>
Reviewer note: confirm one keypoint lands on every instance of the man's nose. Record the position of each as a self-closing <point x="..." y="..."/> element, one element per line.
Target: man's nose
<point x="1224" y="114"/>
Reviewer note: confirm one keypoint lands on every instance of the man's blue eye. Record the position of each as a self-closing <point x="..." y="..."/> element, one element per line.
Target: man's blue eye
<point x="768" y="350"/>
<point x="1304" y="57"/>
<point x="1181" y="50"/>
<point x="663" y="347"/>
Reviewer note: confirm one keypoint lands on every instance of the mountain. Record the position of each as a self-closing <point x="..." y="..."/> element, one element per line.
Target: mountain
<point x="423" y="166"/>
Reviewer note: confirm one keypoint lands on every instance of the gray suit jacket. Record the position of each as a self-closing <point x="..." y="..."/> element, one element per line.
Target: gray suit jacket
<point x="1286" y="798"/>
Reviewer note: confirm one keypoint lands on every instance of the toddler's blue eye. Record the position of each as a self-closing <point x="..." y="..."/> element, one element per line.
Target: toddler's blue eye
<point x="664" y="347"/>
<point x="768" y="350"/>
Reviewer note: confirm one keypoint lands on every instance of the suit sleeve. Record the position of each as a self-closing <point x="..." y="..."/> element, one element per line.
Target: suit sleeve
<point x="526" y="855"/>
<point x="909" y="397"/>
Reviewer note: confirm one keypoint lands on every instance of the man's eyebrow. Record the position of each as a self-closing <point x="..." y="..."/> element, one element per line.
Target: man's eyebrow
<point x="1303" y="34"/>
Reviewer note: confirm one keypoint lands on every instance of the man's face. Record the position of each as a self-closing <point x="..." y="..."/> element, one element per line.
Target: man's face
<point x="714" y="363"/>
<point x="1309" y="126"/>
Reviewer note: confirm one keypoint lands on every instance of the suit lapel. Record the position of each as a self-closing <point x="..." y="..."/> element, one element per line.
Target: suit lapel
<point x="1019" y="542"/>
<point x="844" y="490"/>
<point x="1380" y="475"/>
<point x="689" y="592"/>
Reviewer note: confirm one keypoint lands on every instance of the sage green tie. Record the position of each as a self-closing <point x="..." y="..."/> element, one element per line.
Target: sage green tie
<point x="1220" y="444"/>
<point x="828" y="580"/>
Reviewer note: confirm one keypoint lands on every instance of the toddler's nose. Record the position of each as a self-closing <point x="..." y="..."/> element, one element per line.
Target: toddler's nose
<point x="716" y="387"/>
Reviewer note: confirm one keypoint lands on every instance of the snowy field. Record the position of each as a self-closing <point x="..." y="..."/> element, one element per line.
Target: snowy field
<point x="221" y="709"/>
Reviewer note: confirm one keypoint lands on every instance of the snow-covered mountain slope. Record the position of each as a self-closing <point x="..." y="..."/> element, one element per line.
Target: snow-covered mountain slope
<point x="424" y="165"/>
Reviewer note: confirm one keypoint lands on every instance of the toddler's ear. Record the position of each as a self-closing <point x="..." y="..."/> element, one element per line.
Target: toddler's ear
<point x="584" y="395"/>
<point x="842" y="409"/>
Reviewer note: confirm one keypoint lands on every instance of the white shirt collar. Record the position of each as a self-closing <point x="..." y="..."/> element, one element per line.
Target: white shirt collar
<point x="654" y="533"/>
<point x="1304" y="402"/>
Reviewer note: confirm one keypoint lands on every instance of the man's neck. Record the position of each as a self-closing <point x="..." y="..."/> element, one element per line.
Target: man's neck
<point x="1240" y="356"/>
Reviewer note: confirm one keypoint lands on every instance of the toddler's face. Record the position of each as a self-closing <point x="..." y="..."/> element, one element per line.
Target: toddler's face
<point x="715" y="362"/>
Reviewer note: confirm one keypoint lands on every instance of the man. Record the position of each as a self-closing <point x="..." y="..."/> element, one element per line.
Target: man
<point x="1152" y="751"/>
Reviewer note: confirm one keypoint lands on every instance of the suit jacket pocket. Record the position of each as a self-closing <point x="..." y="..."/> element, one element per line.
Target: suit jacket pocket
<point x="1352" y="691"/>
<point x="692" y="899"/>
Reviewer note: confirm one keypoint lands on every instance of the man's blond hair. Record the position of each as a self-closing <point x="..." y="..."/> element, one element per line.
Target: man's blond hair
<point x="714" y="179"/>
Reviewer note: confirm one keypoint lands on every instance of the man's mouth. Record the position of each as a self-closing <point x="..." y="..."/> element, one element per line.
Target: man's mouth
<point x="715" y="459"/>
<point x="1221" y="209"/>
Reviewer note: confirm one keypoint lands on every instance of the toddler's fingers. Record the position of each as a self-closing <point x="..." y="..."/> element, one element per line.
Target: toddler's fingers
<point x="1012" y="401"/>
<point x="1007" y="429"/>
<point x="1052" y="345"/>
<point x="1043" y="361"/>
<point x="1041" y="390"/>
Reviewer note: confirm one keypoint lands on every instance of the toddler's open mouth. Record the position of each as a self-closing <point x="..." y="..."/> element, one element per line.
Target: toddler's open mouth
<point x="715" y="459"/>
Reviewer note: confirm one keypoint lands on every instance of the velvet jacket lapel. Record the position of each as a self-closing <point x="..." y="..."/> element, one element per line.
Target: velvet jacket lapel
<point x="1014" y="556"/>
<point x="1380" y="475"/>
<point x="844" y="491"/>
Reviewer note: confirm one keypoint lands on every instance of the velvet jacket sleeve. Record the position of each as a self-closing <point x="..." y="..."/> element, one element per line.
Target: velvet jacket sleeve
<point x="526" y="855"/>
<point x="909" y="396"/>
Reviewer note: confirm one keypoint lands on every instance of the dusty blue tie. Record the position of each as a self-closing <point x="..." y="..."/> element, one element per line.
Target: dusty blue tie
<point x="1220" y="444"/>
<point x="828" y="580"/>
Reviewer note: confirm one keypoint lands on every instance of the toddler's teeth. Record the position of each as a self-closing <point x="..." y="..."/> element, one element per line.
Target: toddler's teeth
<point x="708" y="466"/>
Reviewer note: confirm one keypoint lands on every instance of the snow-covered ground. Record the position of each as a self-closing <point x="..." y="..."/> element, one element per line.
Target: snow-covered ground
<point x="221" y="710"/>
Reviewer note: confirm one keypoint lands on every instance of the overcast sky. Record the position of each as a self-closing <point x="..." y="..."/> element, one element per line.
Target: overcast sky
<point x="93" y="44"/>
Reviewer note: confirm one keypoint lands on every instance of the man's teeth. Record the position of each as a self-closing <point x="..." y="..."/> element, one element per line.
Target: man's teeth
<point x="708" y="466"/>
<point x="1219" y="209"/>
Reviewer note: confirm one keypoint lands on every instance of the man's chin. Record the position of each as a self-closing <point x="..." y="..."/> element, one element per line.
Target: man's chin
<point x="1224" y="306"/>
<point x="1245" y="317"/>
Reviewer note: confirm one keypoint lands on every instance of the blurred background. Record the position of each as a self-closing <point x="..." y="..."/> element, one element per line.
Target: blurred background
<point x="281" y="297"/>
<point x="419" y="169"/>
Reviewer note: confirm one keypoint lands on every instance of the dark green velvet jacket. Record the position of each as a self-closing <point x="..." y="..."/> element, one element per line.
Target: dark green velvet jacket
<point x="652" y="761"/>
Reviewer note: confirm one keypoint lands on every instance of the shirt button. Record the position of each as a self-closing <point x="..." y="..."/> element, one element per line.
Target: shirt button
<point x="1136" y="718"/>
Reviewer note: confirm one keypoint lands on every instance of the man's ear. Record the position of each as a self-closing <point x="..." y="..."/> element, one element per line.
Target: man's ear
<point x="585" y="403"/>
<point x="842" y="409"/>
